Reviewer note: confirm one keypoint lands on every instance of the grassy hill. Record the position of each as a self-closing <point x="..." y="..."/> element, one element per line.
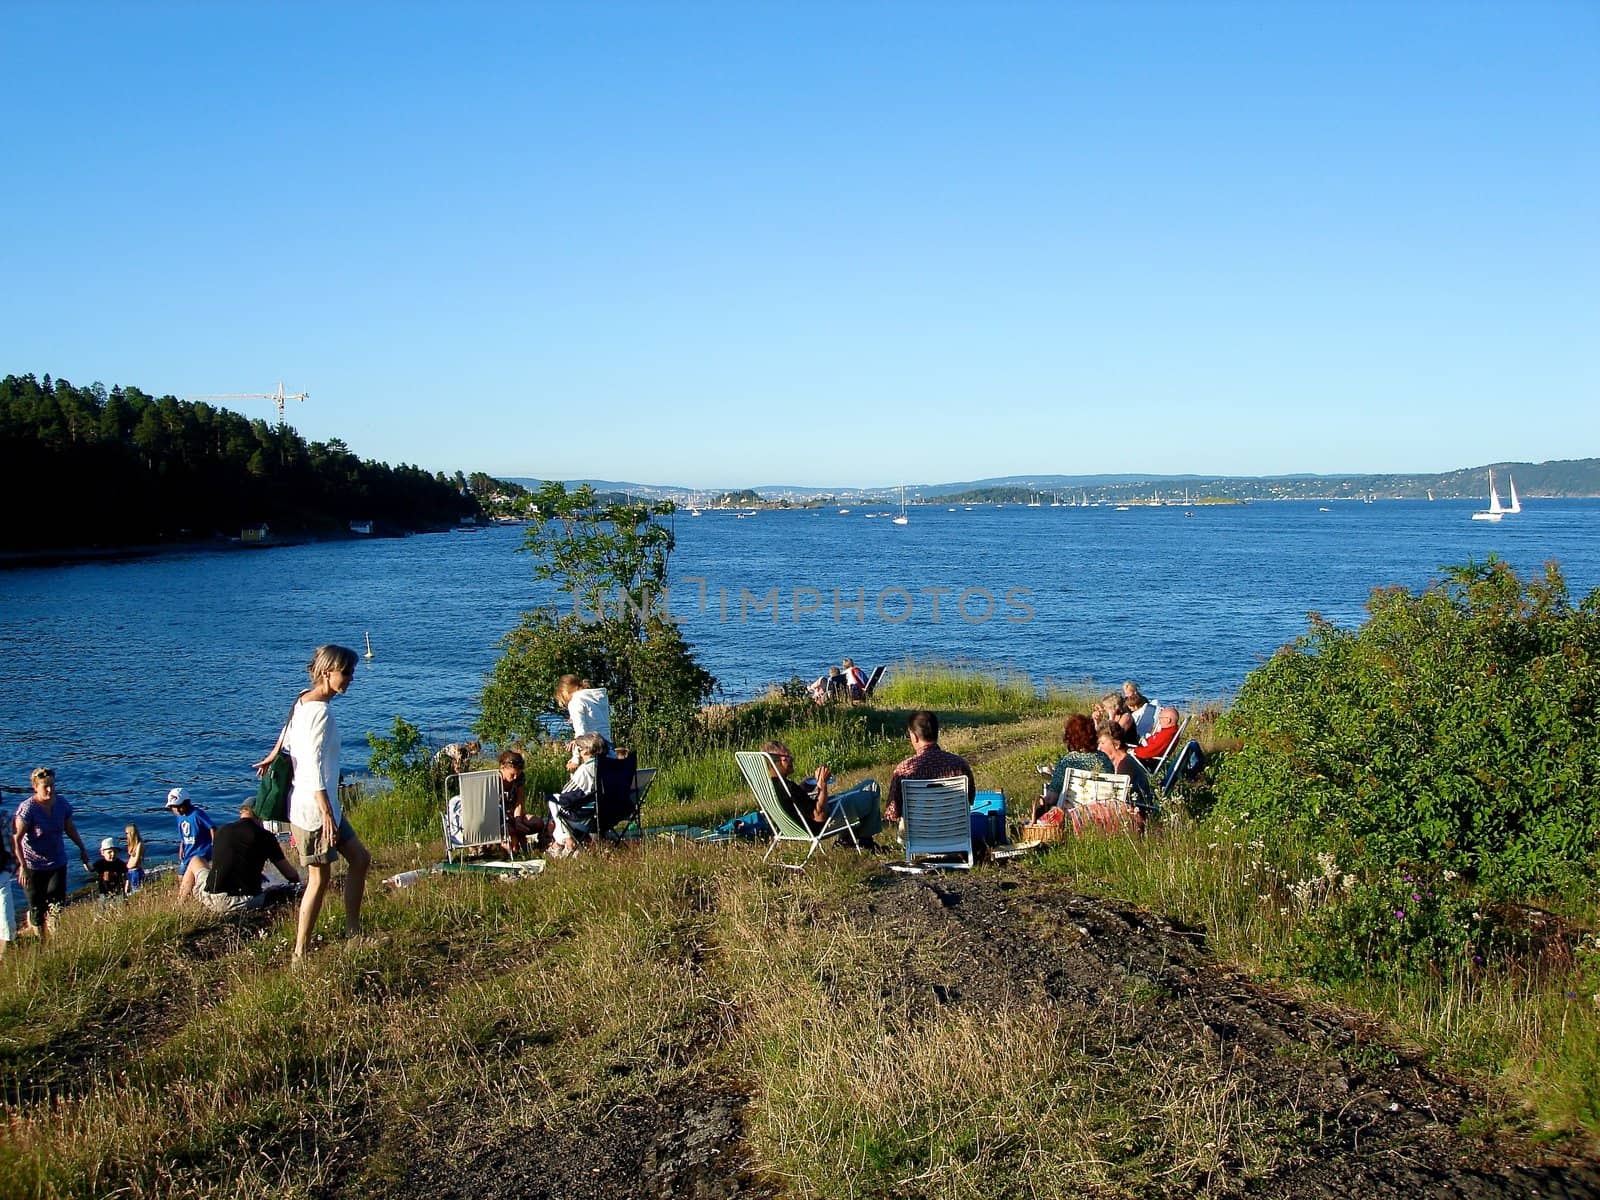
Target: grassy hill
<point x="1108" y="1018"/>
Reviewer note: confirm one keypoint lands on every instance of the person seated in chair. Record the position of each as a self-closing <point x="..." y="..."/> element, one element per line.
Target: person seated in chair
<point x="928" y="760"/>
<point x="567" y="807"/>
<point x="1159" y="738"/>
<point x="1144" y="711"/>
<point x="855" y="679"/>
<point x="1112" y="713"/>
<point x="521" y="825"/>
<point x="1078" y="736"/>
<point x="1123" y="763"/>
<point x="811" y="804"/>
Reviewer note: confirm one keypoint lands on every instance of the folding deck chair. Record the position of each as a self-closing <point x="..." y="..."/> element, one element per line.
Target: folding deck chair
<point x="1159" y="768"/>
<point x="1100" y="801"/>
<point x="872" y="681"/>
<point x="615" y="802"/>
<point x="475" y="815"/>
<point x="938" y="817"/>
<point x="758" y="770"/>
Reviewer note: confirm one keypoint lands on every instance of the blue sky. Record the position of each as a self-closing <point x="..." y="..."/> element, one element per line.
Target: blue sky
<point x="730" y="244"/>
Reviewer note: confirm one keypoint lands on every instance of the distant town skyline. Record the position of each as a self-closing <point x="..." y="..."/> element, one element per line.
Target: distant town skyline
<point x="730" y="244"/>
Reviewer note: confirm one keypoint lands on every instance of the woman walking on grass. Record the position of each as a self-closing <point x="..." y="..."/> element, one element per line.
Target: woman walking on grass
<point x="38" y="838"/>
<point x="321" y="831"/>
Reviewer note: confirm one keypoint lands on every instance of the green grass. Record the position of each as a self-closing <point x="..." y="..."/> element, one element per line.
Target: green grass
<point x="217" y="1071"/>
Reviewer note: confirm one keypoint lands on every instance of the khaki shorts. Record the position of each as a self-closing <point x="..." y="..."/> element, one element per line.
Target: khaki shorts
<point x="314" y="852"/>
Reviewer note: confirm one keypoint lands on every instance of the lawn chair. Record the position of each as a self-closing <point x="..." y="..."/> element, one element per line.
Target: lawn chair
<point x="615" y="802"/>
<point x="938" y="819"/>
<point x="758" y="770"/>
<point x="1158" y="769"/>
<point x="1099" y="801"/>
<point x="872" y="681"/>
<point x="475" y="814"/>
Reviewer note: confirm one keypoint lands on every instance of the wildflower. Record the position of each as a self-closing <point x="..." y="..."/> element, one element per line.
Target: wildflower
<point x="1330" y="866"/>
<point x="1449" y="875"/>
<point x="1399" y="914"/>
<point x="1415" y="896"/>
<point x="1477" y="916"/>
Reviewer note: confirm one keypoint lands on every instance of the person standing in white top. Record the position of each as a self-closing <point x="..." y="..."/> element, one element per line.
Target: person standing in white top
<point x="321" y="831"/>
<point x="589" y="710"/>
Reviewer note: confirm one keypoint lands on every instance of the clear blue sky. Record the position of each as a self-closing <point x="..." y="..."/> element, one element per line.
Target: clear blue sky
<point x="730" y="244"/>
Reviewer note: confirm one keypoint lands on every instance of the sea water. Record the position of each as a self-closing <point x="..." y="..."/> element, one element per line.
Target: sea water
<point x="130" y="677"/>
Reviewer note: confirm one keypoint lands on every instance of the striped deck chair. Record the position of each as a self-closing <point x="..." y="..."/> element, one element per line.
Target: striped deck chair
<point x="759" y="770"/>
<point x="938" y="820"/>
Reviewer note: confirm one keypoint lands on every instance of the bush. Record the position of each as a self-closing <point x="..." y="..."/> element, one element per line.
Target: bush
<point x="403" y="758"/>
<point x="1455" y="730"/>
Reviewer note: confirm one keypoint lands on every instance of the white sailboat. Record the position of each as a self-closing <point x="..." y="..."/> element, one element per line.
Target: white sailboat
<point x="1494" y="512"/>
<point x="902" y="519"/>
<point x="1516" y="505"/>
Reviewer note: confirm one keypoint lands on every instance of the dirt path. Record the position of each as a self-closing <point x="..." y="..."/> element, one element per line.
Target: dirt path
<point x="1364" y="1121"/>
<point x="1375" y="1124"/>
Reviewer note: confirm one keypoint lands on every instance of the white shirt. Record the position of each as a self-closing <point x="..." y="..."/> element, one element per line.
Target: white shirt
<point x="590" y="712"/>
<point x="313" y="744"/>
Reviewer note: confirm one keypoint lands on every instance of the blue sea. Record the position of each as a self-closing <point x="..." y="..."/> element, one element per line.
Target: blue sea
<point x="133" y="676"/>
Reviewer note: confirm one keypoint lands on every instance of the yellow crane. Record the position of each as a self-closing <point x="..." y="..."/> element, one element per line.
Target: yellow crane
<point x="278" y="396"/>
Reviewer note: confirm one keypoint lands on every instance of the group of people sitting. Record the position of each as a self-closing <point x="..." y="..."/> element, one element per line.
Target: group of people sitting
<point x="560" y="822"/>
<point x="1127" y="733"/>
<point x="844" y="682"/>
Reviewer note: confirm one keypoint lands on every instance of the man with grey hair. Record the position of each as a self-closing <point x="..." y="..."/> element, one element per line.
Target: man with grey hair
<point x="1155" y="745"/>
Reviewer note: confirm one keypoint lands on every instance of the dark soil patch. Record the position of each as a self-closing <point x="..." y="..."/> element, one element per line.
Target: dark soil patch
<point x="1374" y="1121"/>
<point x="681" y="1145"/>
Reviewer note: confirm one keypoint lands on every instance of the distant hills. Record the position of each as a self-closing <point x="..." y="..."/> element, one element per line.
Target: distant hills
<point x="1573" y="477"/>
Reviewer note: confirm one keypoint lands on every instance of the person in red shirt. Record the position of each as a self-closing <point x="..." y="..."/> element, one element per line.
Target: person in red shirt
<point x="1160" y="738"/>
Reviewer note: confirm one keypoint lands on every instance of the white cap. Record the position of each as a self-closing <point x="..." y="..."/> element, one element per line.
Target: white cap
<point x="108" y="843"/>
<point x="176" y="797"/>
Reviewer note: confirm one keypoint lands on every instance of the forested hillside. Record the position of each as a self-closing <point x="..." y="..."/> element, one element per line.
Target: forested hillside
<point x="86" y="467"/>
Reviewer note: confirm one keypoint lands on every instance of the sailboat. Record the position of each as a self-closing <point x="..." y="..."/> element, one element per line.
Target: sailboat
<point x="1516" y="505"/>
<point x="369" y="647"/>
<point x="902" y="519"/>
<point x="1494" y="512"/>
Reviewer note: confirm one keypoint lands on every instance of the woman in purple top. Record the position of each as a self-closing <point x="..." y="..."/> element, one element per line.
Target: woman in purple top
<point x="37" y="837"/>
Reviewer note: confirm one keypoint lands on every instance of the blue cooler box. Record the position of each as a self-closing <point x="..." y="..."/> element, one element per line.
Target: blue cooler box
<point x="989" y="818"/>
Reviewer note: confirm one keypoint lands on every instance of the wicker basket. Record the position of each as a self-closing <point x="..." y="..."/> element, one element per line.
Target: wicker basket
<point x="1041" y="833"/>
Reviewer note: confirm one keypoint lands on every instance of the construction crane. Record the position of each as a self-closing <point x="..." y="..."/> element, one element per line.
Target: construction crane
<point x="278" y="396"/>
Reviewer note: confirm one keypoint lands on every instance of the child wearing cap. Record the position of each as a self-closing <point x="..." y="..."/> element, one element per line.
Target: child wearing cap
<point x="109" y="871"/>
<point x="194" y="841"/>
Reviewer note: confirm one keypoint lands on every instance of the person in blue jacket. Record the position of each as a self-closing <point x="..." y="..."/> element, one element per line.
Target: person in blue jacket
<point x="194" y="842"/>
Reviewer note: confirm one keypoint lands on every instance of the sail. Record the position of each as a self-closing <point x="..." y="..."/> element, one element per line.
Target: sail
<point x="1494" y="496"/>
<point x="1516" y="505"/>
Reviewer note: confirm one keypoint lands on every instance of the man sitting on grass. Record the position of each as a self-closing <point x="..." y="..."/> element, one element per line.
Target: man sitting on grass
<point x="812" y="806"/>
<point x="240" y="853"/>
<point x="928" y="761"/>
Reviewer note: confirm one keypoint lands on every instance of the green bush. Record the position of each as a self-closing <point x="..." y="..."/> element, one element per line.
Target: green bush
<point x="1455" y="730"/>
<point x="403" y="758"/>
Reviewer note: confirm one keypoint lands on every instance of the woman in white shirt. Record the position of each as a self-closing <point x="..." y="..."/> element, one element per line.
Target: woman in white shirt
<point x="589" y="710"/>
<point x="321" y="831"/>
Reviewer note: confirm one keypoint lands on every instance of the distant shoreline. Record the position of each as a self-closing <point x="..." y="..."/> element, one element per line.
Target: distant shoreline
<point x="67" y="556"/>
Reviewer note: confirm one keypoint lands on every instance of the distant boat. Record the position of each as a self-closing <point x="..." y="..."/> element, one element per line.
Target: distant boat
<point x="902" y="519"/>
<point x="1494" y="512"/>
<point x="1516" y="505"/>
<point x="369" y="646"/>
<point x="1430" y="495"/>
<point x="844" y="512"/>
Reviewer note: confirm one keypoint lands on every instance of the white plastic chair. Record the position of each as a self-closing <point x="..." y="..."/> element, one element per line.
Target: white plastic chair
<point x="938" y="819"/>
